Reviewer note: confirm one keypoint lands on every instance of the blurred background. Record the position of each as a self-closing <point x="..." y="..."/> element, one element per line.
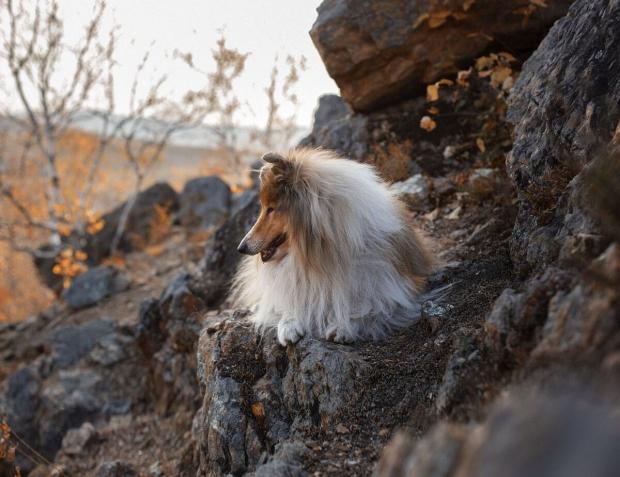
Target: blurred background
<point x="101" y="100"/>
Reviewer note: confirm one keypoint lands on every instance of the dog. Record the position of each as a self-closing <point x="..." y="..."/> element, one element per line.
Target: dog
<point x="333" y="253"/>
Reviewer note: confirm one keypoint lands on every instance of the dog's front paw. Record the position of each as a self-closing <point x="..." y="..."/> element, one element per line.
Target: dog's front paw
<point x="289" y="331"/>
<point x="339" y="336"/>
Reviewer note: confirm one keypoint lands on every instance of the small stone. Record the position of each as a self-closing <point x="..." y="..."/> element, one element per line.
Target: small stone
<point x="155" y="470"/>
<point x="76" y="440"/>
<point x="455" y="214"/>
<point x="414" y="191"/>
<point x="116" y="469"/>
<point x="342" y="429"/>
<point x="482" y="182"/>
<point x="91" y="287"/>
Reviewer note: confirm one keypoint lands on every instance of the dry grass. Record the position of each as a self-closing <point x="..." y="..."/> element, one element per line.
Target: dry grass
<point x="392" y="161"/>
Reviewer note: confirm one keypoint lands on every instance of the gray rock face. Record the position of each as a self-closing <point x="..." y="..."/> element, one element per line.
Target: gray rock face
<point x="94" y="285"/>
<point x="285" y="462"/>
<point x="336" y="128"/>
<point x="77" y="374"/>
<point x="381" y="51"/>
<point x="115" y="468"/>
<point x="414" y="191"/>
<point x="72" y="343"/>
<point x="167" y="335"/>
<point x="522" y="436"/>
<point x="204" y="202"/>
<point x="258" y="395"/>
<point x="221" y="258"/>
<point x="75" y="398"/>
<point x="565" y="108"/>
<point x="76" y="440"/>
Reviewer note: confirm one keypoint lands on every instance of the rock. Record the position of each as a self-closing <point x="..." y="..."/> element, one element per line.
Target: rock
<point x="150" y="332"/>
<point x="381" y="52"/>
<point x="76" y="440"/>
<point x="219" y="264"/>
<point x="433" y="456"/>
<point x="72" y="343"/>
<point x="442" y="188"/>
<point x="116" y="468"/>
<point x="110" y="349"/>
<point x="335" y="128"/>
<point x="204" y="203"/>
<point x="155" y="470"/>
<point x="575" y="438"/>
<point x="257" y="394"/>
<point x="77" y="396"/>
<point x="94" y="285"/>
<point x="167" y="335"/>
<point x="434" y="312"/>
<point x="151" y="205"/>
<point x="157" y="199"/>
<point x="557" y="133"/>
<point x="457" y="384"/>
<point x="414" y="191"/>
<point x="331" y="108"/>
<point x="482" y="182"/>
<point x="581" y="320"/>
<point x="22" y="401"/>
<point x="285" y="462"/>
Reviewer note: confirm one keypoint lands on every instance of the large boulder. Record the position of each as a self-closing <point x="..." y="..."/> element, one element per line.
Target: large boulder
<point x="150" y="210"/>
<point x="150" y="204"/>
<point x="221" y="258"/>
<point x="524" y="435"/>
<point x="566" y="111"/>
<point x="258" y="396"/>
<point x="335" y="127"/>
<point x="167" y="335"/>
<point x="205" y="203"/>
<point x="382" y="51"/>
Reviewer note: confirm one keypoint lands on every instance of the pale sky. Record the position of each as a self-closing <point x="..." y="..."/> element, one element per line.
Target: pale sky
<point x="264" y="28"/>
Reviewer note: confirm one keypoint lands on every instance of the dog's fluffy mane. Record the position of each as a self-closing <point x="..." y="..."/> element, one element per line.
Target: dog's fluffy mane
<point x="355" y="264"/>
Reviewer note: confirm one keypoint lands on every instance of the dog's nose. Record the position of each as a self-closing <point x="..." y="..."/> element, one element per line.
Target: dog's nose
<point x="243" y="248"/>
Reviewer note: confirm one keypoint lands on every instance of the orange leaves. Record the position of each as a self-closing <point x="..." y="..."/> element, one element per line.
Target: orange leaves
<point x="427" y="123"/>
<point x="432" y="90"/>
<point x="258" y="410"/>
<point x="94" y="223"/>
<point x="496" y="66"/>
<point x="7" y="449"/>
<point x="480" y="144"/>
<point x="527" y="11"/>
<point x="438" y="18"/>
<point x="69" y="264"/>
<point x="467" y="4"/>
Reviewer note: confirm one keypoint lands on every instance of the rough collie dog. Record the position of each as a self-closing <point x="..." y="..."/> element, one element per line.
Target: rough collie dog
<point x="333" y="253"/>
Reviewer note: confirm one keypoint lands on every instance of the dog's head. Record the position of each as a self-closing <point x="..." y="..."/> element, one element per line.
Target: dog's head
<point x="269" y="235"/>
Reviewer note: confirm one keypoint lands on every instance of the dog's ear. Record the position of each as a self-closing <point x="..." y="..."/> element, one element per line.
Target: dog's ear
<point x="273" y="158"/>
<point x="281" y="167"/>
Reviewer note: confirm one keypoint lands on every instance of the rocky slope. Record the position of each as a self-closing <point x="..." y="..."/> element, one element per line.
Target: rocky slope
<point x="515" y="370"/>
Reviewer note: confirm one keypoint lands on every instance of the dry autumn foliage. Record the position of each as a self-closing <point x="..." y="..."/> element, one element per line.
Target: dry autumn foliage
<point x="393" y="161"/>
<point x="497" y="67"/>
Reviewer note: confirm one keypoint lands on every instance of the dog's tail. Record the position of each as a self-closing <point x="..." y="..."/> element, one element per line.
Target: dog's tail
<point x="437" y="294"/>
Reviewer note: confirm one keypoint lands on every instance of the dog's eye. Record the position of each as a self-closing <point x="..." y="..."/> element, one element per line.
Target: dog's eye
<point x="269" y="210"/>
